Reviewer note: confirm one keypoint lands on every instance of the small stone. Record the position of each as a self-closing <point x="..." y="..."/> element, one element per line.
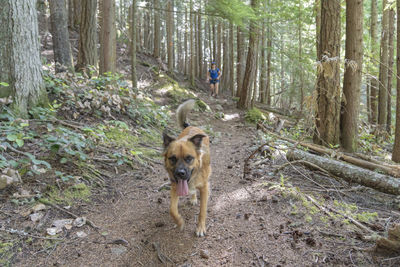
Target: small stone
<point x="159" y="200"/>
<point x="230" y="166"/>
<point x="79" y="222"/>
<point x="274" y="199"/>
<point x="36" y="216"/>
<point x="53" y="230"/>
<point x="160" y="224"/>
<point x="81" y="234"/>
<point x="118" y="250"/>
<point x="38" y="207"/>
<point x="204" y="253"/>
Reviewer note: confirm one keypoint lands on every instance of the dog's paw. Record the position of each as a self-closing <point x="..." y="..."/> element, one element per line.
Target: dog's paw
<point x="181" y="224"/>
<point x="193" y="201"/>
<point x="201" y="230"/>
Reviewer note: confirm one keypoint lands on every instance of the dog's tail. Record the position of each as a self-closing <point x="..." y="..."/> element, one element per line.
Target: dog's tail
<point x="182" y="111"/>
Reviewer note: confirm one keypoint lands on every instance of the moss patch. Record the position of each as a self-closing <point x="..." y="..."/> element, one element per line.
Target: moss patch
<point x="73" y="193"/>
<point x="254" y="115"/>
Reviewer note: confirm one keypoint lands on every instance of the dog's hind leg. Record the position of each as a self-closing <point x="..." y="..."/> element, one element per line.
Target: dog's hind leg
<point x="174" y="209"/>
<point x="201" y="227"/>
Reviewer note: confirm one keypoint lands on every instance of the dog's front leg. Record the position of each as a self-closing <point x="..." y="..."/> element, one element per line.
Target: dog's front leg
<point x="201" y="227"/>
<point x="174" y="208"/>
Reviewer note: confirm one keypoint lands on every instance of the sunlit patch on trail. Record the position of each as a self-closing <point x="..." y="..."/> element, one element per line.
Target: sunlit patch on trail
<point x="231" y="197"/>
<point x="229" y="117"/>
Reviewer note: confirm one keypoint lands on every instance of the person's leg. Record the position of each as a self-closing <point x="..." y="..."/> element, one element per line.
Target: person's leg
<point x="212" y="89"/>
<point x="216" y="89"/>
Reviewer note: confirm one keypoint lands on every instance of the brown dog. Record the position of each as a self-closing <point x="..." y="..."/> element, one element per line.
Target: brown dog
<point x="187" y="161"/>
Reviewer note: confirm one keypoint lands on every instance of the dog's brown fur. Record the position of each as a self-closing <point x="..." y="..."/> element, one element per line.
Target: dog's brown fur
<point x="192" y="142"/>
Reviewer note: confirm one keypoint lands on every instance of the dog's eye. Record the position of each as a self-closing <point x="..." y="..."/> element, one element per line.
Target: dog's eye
<point x="172" y="159"/>
<point x="188" y="159"/>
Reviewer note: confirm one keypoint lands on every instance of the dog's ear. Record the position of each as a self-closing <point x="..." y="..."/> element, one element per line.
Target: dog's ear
<point x="167" y="140"/>
<point x="197" y="139"/>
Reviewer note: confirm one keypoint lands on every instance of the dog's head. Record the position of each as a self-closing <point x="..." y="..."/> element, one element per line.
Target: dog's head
<point x="182" y="157"/>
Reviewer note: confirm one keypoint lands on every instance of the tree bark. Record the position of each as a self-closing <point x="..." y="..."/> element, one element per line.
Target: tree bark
<point x="87" y="54"/>
<point x="108" y="42"/>
<point x="133" y="28"/>
<point x="263" y="67"/>
<point x="390" y="69"/>
<point x="157" y="26"/>
<point x="383" y="70"/>
<point x="245" y="96"/>
<point x="77" y="13"/>
<point x="396" y="146"/>
<point x="200" y="47"/>
<point x="352" y="174"/>
<point x="352" y="74"/>
<point x="231" y="60"/>
<point x="240" y="64"/>
<point x="192" y="50"/>
<point x="187" y="25"/>
<point x="60" y="34"/>
<point x="170" y="33"/>
<point x="20" y="61"/>
<point x="374" y="84"/>
<point x="328" y="84"/>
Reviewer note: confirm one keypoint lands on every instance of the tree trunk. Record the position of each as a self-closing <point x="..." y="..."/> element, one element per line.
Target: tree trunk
<point x="219" y="44"/>
<point x="263" y="67"/>
<point x="390" y="69"/>
<point x="60" y="34"/>
<point x="269" y="55"/>
<point x="352" y="74"/>
<point x="318" y="26"/>
<point x="192" y="51"/>
<point x="108" y="42"/>
<point x="170" y="33"/>
<point x="133" y="28"/>
<point x="300" y="51"/>
<point x="187" y="25"/>
<point x="214" y="40"/>
<point x="328" y="85"/>
<point x="77" y="13"/>
<point x="383" y="70"/>
<point x="157" y="26"/>
<point x="245" y="96"/>
<point x="231" y="62"/>
<point x="225" y="66"/>
<point x="396" y="146"/>
<point x="350" y="173"/>
<point x="374" y="54"/>
<point x="87" y="54"/>
<point x="70" y="14"/>
<point x="20" y="63"/>
<point x="240" y="60"/>
<point x="200" y="47"/>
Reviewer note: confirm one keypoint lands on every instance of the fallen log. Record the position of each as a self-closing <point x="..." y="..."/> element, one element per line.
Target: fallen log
<point x="349" y="173"/>
<point x="392" y="170"/>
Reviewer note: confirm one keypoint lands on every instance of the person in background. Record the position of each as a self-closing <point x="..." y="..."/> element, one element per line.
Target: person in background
<point x="213" y="76"/>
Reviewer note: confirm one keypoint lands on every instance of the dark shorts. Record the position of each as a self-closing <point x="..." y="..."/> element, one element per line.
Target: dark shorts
<point x="214" y="81"/>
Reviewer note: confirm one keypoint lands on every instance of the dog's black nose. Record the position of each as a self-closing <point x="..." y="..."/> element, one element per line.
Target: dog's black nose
<point x="181" y="173"/>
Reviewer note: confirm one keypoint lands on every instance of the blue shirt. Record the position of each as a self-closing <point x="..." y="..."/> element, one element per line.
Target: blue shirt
<point x="214" y="73"/>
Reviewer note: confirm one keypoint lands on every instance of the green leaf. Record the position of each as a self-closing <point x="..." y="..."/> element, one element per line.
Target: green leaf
<point x="19" y="142"/>
<point x="12" y="137"/>
<point x="55" y="148"/>
<point x="63" y="160"/>
<point x="4" y="84"/>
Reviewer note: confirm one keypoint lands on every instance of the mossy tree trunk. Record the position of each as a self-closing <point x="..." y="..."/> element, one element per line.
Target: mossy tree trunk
<point x="20" y="63"/>
<point x="108" y="40"/>
<point x="396" y="147"/>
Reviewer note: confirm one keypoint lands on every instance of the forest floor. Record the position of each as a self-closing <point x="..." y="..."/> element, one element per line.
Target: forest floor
<point x="261" y="221"/>
<point x="267" y="219"/>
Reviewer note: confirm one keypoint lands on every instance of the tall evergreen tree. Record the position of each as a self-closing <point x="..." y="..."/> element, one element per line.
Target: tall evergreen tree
<point x="352" y="74"/>
<point x="20" y="63"/>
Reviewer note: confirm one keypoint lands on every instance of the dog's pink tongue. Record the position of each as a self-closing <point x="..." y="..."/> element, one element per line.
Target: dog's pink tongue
<point x="183" y="188"/>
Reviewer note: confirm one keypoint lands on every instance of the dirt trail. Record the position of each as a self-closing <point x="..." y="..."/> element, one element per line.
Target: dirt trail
<point x="249" y="224"/>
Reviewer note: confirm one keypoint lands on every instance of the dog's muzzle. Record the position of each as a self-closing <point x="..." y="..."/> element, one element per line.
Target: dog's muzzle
<point x="182" y="174"/>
